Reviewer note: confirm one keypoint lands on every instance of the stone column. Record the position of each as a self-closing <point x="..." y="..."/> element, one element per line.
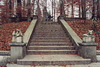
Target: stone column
<point x="87" y="48"/>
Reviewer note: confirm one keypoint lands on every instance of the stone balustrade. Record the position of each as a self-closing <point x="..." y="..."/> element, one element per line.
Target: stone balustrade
<point x="86" y="47"/>
<point x="20" y="42"/>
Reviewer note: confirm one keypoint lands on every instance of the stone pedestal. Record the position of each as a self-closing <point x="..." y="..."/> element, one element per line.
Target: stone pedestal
<point x="18" y="51"/>
<point x="88" y="50"/>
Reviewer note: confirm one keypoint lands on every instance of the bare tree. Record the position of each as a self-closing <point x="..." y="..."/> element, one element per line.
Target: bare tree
<point x="94" y="10"/>
<point x="98" y="9"/>
<point x="62" y="12"/>
<point x="33" y="6"/>
<point x="83" y="4"/>
<point x="79" y="8"/>
<point x="38" y="10"/>
<point x="29" y="10"/>
<point x="18" y="13"/>
<point x="10" y="4"/>
<point x="72" y="9"/>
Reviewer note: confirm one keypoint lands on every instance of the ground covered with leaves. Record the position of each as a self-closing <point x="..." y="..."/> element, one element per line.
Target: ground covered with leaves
<point x="82" y="26"/>
<point x="6" y="30"/>
<point x="2" y="66"/>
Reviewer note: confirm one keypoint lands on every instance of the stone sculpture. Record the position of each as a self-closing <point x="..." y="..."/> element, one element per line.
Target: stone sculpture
<point x="17" y="36"/>
<point x="89" y="37"/>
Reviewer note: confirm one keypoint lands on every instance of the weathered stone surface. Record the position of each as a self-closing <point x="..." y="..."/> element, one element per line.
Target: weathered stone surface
<point x="18" y="50"/>
<point x="4" y="60"/>
<point x="52" y="60"/>
<point x="74" y="37"/>
<point x="52" y="35"/>
<point x="89" y="37"/>
<point x="5" y="53"/>
<point x="88" y="50"/>
<point x="82" y="65"/>
<point x="28" y="33"/>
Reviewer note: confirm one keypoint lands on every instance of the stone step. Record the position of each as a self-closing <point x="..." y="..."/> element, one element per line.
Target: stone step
<point x="49" y="33"/>
<point x="98" y="52"/>
<point x="98" y="57"/>
<point x="46" y="29"/>
<point x="53" y="60"/>
<point x="5" y="53"/>
<point x="50" y="43"/>
<point x="50" y="39"/>
<point x="49" y="36"/>
<point x="50" y="47"/>
<point x="55" y="32"/>
<point x="61" y="65"/>
<point x="46" y="52"/>
<point x="49" y="28"/>
<point x="44" y="33"/>
<point x="32" y="44"/>
<point x="49" y="25"/>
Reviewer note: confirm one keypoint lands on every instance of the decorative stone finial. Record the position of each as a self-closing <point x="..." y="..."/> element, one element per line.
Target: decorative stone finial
<point x="89" y="37"/>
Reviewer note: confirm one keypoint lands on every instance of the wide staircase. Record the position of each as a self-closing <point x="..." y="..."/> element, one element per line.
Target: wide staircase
<point x="51" y="45"/>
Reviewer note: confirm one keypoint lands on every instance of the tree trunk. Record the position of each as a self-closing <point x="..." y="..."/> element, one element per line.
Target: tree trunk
<point x="72" y="9"/>
<point x="62" y="12"/>
<point x="83" y="3"/>
<point x="33" y="6"/>
<point x="29" y="10"/>
<point x="79" y="8"/>
<point x="98" y="9"/>
<point x="28" y="2"/>
<point x="94" y="10"/>
<point x="52" y="7"/>
<point x="10" y="5"/>
<point x="19" y="16"/>
<point x="38" y="10"/>
<point x="18" y="2"/>
<point x="54" y="10"/>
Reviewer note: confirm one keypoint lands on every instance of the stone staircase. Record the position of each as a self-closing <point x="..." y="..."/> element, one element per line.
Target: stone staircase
<point x="53" y="40"/>
<point x="50" y="45"/>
